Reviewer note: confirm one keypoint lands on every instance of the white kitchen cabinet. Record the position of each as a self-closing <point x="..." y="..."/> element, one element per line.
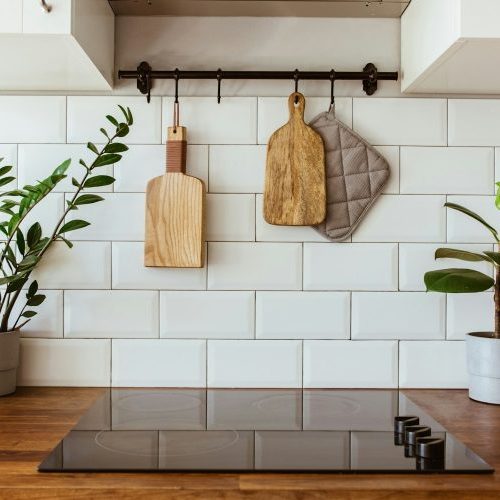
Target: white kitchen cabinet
<point x="451" y="46"/>
<point x="70" y="48"/>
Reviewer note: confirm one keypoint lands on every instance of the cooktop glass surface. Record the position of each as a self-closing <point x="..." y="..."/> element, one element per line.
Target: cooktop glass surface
<point x="259" y="430"/>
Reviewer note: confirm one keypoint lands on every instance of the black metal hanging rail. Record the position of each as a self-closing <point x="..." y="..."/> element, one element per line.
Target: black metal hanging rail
<point x="145" y="76"/>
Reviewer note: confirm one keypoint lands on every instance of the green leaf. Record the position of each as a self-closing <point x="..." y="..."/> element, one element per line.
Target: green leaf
<point x="115" y="147"/>
<point x="8" y="279"/>
<point x="28" y="314"/>
<point x="86" y="199"/>
<point x="20" y="241"/>
<point x="457" y="281"/>
<point x="99" y="180"/>
<point x="29" y="261"/>
<point x="82" y="163"/>
<point x="6" y="180"/>
<point x="61" y="169"/>
<point x="36" y="300"/>
<point x="75" y="182"/>
<point x="5" y="170"/>
<point x="72" y="225"/>
<point x="130" y="117"/>
<point x="103" y="131"/>
<point x="92" y="147"/>
<point x="497" y="199"/>
<point x="107" y="160"/>
<point x="475" y="216"/>
<point x="33" y="288"/>
<point x="122" y="130"/>
<point x="113" y="120"/>
<point x="16" y="285"/>
<point x="453" y="253"/>
<point x="494" y="256"/>
<point x="34" y="234"/>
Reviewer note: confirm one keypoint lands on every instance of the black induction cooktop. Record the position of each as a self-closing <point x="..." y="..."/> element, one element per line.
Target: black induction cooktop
<point x="161" y="430"/>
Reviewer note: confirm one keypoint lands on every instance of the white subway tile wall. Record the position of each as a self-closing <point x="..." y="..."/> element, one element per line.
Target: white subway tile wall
<point x="274" y="306"/>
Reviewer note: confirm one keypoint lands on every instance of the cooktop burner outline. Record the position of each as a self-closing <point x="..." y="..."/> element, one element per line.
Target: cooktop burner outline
<point x="264" y="430"/>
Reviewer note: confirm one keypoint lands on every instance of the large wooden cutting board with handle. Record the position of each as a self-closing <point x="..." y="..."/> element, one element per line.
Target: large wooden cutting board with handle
<point x="294" y="192"/>
<point x="175" y="204"/>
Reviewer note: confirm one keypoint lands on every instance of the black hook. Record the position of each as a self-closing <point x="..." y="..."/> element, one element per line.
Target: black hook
<point x="296" y="78"/>
<point x="144" y="81"/>
<point x="176" y="77"/>
<point x="332" y="88"/>
<point x="219" y="78"/>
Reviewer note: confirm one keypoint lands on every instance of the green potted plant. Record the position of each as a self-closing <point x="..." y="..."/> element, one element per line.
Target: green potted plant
<point x="483" y="348"/>
<point x="24" y="247"/>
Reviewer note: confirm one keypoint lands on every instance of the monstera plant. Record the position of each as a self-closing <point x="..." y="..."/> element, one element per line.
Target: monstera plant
<point x="483" y="348"/>
<point x="24" y="245"/>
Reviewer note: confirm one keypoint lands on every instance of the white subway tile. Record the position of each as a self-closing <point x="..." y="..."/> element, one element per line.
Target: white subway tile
<point x="65" y="362"/>
<point x="32" y="119"/>
<point x="391" y="154"/>
<point x="398" y="315"/>
<point x="415" y="259"/>
<point x="237" y="169"/>
<point x="469" y="312"/>
<point x="254" y="363"/>
<point x="9" y="154"/>
<point x="473" y="122"/>
<point x="233" y="121"/>
<point x="302" y="315"/>
<point x="433" y="364"/>
<point x="37" y="161"/>
<point x="230" y="217"/>
<point x="269" y="232"/>
<point x="129" y="272"/>
<point x="461" y="228"/>
<point x="447" y="170"/>
<point x="120" y="217"/>
<point x="110" y="314"/>
<point x="47" y="213"/>
<point x="349" y="364"/>
<point x="87" y="114"/>
<point x="48" y="323"/>
<point x="273" y="112"/>
<point x="351" y="266"/>
<point x="254" y="266"/>
<point x="392" y="121"/>
<point x="404" y="218"/>
<point x="228" y="315"/>
<point x="86" y="265"/>
<point x="144" y="162"/>
<point x="158" y="363"/>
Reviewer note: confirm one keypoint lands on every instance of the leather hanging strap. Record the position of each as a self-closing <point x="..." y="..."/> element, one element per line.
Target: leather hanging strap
<point x="176" y="150"/>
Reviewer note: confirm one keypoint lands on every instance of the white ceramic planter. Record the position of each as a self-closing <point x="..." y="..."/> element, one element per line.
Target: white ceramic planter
<point x="9" y="360"/>
<point x="483" y="362"/>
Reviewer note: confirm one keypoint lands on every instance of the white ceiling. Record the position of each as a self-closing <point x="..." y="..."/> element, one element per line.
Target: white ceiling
<point x="259" y="8"/>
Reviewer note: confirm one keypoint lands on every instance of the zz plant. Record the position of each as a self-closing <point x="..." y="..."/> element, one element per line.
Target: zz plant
<point x="24" y="248"/>
<point x="457" y="280"/>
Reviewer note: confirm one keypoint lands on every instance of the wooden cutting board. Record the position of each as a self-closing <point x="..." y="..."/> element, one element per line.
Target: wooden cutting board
<point x="175" y="205"/>
<point x="294" y="192"/>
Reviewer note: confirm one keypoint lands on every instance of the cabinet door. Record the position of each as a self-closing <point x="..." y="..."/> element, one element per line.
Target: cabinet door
<point x="11" y="16"/>
<point x="37" y="20"/>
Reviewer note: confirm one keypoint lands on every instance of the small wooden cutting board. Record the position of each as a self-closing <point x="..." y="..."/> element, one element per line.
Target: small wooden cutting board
<point x="175" y="204"/>
<point x="294" y="192"/>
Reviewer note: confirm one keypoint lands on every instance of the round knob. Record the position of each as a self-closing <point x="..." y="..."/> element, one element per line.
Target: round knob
<point x="412" y="432"/>
<point x="430" y="447"/>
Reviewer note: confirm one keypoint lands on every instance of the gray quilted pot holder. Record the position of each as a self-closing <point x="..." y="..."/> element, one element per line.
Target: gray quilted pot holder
<point x="355" y="175"/>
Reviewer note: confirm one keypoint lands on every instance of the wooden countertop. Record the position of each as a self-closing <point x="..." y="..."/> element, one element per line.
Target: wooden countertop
<point x="34" y="420"/>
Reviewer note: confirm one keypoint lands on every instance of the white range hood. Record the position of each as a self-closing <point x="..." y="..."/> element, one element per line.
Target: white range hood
<point x="66" y="46"/>
<point x="451" y="46"/>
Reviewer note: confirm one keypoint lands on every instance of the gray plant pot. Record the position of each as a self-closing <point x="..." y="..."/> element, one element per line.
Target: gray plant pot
<point x="9" y="361"/>
<point x="483" y="362"/>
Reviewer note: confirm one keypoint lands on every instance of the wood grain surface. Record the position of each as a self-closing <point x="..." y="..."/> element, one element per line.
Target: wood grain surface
<point x="294" y="192"/>
<point x="175" y="205"/>
<point x="33" y="420"/>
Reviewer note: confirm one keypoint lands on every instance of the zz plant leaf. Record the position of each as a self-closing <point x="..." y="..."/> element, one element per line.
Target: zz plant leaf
<point x="31" y="246"/>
